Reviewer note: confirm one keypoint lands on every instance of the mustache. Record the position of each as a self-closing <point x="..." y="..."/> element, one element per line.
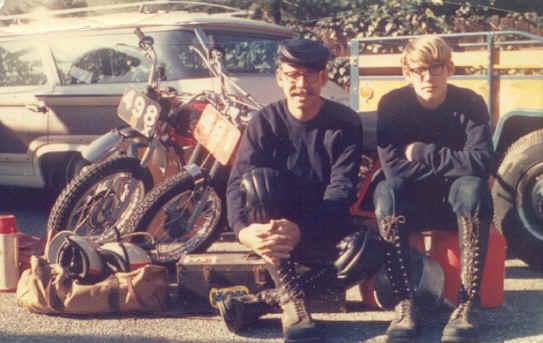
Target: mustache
<point x="300" y="92"/>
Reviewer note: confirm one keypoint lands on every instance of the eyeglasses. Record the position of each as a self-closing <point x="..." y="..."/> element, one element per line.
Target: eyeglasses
<point x="435" y="69"/>
<point x="293" y="76"/>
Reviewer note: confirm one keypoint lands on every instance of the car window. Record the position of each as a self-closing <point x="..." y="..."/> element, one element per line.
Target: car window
<point x="115" y="58"/>
<point x="246" y="53"/>
<point x="99" y="59"/>
<point x="178" y="59"/>
<point x="20" y="64"/>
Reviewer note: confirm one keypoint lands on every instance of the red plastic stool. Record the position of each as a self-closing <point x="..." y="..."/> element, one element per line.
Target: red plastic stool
<point x="367" y="288"/>
<point x="444" y="249"/>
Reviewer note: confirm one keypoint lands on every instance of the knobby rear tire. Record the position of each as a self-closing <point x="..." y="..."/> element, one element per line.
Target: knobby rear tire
<point x="70" y="196"/>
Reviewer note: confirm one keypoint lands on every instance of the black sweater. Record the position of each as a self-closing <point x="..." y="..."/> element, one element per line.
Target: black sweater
<point x="452" y="140"/>
<point x="320" y="156"/>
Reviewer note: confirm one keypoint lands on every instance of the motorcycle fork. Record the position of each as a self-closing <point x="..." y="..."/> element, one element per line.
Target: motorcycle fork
<point x="200" y="157"/>
<point x="190" y="206"/>
<point x="202" y="190"/>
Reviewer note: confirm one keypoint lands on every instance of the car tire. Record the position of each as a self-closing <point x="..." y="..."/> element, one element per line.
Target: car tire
<point x="517" y="195"/>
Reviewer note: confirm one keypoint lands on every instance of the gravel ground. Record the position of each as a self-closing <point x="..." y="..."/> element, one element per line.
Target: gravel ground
<point x="520" y="319"/>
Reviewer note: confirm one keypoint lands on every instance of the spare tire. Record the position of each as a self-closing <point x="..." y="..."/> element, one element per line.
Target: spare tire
<point x="517" y="194"/>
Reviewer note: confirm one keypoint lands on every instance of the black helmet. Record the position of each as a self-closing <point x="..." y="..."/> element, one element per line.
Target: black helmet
<point x="304" y="53"/>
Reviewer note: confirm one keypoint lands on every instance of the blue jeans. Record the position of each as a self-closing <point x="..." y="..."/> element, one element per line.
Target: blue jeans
<point x="433" y="205"/>
<point x="465" y="205"/>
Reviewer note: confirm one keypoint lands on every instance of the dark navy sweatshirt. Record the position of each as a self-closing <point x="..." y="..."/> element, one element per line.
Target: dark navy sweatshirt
<point x="452" y="140"/>
<point x="320" y="157"/>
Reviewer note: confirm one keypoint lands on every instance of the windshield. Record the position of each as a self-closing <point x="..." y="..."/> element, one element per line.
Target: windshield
<point x="115" y="57"/>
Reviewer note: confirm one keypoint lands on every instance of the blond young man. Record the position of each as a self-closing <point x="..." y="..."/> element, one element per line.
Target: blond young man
<point x="434" y="144"/>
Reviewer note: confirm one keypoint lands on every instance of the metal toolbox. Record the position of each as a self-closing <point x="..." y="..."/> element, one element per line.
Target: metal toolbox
<point x="204" y="279"/>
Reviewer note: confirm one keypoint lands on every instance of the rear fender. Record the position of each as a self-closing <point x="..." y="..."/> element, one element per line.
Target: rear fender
<point x="194" y="171"/>
<point x="513" y="125"/>
<point x="107" y="143"/>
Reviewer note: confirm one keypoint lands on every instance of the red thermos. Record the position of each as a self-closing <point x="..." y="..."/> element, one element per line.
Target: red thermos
<point x="9" y="271"/>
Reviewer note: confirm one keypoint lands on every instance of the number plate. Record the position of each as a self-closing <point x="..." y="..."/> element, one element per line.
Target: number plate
<point x="217" y="135"/>
<point x="139" y="111"/>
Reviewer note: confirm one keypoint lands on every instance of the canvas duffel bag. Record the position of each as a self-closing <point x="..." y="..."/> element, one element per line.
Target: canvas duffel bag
<point x="47" y="288"/>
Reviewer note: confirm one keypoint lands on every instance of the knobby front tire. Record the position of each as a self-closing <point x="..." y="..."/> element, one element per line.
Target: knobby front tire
<point x="183" y="216"/>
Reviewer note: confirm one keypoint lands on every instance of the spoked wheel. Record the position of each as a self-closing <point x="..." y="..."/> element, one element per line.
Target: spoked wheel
<point x="106" y="204"/>
<point x="181" y="216"/>
<point x="101" y="199"/>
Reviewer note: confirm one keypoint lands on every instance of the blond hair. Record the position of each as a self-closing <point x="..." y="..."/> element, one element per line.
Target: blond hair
<point x="428" y="49"/>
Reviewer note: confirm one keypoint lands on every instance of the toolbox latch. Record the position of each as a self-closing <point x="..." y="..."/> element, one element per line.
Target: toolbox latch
<point x="260" y="276"/>
<point x="207" y="274"/>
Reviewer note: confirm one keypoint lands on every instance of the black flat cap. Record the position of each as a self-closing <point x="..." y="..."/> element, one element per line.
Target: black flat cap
<point x="304" y="52"/>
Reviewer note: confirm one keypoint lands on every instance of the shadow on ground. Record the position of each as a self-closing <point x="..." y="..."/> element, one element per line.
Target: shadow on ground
<point x="96" y="339"/>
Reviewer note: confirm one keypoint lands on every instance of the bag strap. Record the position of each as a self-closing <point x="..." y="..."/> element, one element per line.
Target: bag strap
<point x="114" y="294"/>
<point x="132" y="291"/>
<point x="139" y="299"/>
<point x="52" y="299"/>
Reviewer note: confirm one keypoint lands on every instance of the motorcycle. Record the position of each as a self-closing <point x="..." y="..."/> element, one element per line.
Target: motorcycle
<point x="126" y="162"/>
<point x="185" y="213"/>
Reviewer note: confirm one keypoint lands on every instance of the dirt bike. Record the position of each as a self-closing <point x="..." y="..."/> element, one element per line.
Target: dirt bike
<point x="126" y="162"/>
<point x="185" y="213"/>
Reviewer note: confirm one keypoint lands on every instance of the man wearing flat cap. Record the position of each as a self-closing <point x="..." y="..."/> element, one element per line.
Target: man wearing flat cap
<point x="291" y="186"/>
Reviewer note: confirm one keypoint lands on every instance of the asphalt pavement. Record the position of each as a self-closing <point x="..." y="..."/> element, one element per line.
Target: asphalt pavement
<point x="519" y="319"/>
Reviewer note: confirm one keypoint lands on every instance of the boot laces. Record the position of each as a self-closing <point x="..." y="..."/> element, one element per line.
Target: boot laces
<point x="397" y="257"/>
<point x="301" y="310"/>
<point x="269" y="296"/>
<point x="462" y="311"/>
<point x="290" y="281"/>
<point x="389" y="227"/>
<point x="471" y="255"/>
<point x="404" y="309"/>
<point x="293" y="291"/>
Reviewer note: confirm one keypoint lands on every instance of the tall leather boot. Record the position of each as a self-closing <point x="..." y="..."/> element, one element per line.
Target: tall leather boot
<point x="473" y="240"/>
<point x="405" y="326"/>
<point x="298" y="326"/>
<point x="239" y="311"/>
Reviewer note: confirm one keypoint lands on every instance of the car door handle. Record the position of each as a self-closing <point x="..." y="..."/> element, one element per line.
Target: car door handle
<point x="36" y="108"/>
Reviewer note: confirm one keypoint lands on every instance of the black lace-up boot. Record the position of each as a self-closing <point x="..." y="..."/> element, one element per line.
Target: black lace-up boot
<point x="298" y="326"/>
<point x="238" y="312"/>
<point x="473" y="240"/>
<point x="405" y="326"/>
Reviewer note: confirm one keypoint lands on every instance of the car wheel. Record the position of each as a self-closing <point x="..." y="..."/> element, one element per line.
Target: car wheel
<point x="517" y="194"/>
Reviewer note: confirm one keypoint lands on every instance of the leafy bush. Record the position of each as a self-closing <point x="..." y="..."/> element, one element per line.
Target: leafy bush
<point x="400" y="17"/>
